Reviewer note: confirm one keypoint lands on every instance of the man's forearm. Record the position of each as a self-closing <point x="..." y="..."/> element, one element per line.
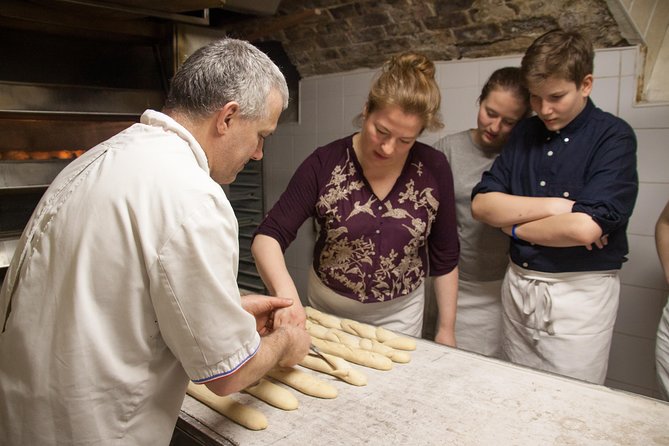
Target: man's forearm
<point x="560" y="231"/>
<point x="499" y="209"/>
<point x="281" y="347"/>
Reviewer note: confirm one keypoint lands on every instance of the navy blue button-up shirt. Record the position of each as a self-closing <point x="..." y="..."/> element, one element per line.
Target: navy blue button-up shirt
<point x="591" y="161"/>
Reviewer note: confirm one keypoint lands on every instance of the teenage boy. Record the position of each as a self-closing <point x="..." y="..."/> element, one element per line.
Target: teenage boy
<point x="563" y="189"/>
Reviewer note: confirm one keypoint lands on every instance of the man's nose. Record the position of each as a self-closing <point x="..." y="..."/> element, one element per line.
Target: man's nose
<point x="258" y="154"/>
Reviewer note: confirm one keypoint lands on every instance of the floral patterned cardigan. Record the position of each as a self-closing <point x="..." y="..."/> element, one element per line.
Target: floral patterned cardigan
<point x="368" y="249"/>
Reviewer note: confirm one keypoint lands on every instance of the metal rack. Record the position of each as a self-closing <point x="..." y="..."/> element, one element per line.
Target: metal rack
<point x="246" y="196"/>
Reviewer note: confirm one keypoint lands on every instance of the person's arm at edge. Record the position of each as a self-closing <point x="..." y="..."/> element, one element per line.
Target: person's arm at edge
<point x="285" y="346"/>
<point x="273" y="271"/>
<point x="662" y="240"/>
<point x="446" y="292"/>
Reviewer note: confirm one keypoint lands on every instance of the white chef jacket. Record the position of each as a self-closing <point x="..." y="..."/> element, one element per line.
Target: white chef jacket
<point x="122" y="287"/>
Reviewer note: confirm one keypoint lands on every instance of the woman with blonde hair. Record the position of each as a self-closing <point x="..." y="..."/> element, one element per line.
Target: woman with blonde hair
<point x="384" y="206"/>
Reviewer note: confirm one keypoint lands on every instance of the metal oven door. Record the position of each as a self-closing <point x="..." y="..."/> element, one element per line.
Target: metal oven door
<point x="34" y="148"/>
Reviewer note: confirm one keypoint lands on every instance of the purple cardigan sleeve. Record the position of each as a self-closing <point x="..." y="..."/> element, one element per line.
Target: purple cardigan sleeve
<point x="296" y="204"/>
<point x="443" y="242"/>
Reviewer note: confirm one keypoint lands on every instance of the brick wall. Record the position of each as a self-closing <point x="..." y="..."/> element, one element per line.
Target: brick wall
<point x="331" y="36"/>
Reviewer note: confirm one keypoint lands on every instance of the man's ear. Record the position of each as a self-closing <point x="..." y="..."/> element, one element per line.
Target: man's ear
<point x="226" y="116"/>
<point x="586" y="84"/>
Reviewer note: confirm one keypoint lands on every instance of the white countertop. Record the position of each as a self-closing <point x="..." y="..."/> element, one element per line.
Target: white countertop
<point x="447" y="396"/>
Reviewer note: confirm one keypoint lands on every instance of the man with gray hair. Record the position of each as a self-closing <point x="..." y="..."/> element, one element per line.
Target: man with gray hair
<point x="123" y="285"/>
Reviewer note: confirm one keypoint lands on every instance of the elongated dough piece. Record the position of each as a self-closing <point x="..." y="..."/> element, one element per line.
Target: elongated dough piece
<point x="304" y="382"/>
<point x="324" y="319"/>
<point x="383" y="335"/>
<point x="392" y="339"/>
<point x="246" y="416"/>
<point x="320" y="331"/>
<point x="401" y="343"/>
<point x="358" y="328"/>
<point x="380" y="334"/>
<point x="356" y="355"/>
<point x="344" y="338"/>
<point x="354" y="341"/>
<point x="332" y="334"/>
<point x="398" y="356"/>
<point x="343" y="371"/>
<point x="273" y="394"/>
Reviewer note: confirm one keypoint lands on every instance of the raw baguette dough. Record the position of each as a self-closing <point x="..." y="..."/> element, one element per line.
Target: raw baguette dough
<point x="401" y="343"/>
<point x="304" y="382"/>
<point x="358" y="328"/>
<point x="354" y="341"/>
<point x="380" y="334"/>
<point x="324" y="319"/>
<point x="320" y="331"/>
<point x="383" y="335"/>
<point x="343" y="371"/>
<point x="391" y="339"/>
<point x="246" y="416"/>
<point x="398" y="356"/>
<point x="332" y="334"/>
<point x="357" y="355"/>
<point x="273" y="394"/>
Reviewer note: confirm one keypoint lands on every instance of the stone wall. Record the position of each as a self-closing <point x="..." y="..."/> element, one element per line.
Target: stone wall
<point x="330" y="36"/>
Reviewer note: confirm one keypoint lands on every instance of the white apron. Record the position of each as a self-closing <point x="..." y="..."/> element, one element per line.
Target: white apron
<point x="478" y="326"/>
<point x="560" y="322"/>
<point x="403" y="315"/>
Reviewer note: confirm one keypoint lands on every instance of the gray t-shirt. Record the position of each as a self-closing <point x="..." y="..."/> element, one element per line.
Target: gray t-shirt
<point x="483" y="249"/>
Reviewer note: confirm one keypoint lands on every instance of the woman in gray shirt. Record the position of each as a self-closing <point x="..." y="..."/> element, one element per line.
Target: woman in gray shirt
<point x="483" y="249"/>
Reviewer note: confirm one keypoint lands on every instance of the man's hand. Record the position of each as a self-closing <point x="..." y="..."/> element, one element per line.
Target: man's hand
<point x="263" y="309"/>
<point x="299" y="344"/>
<point x="285" y="346"/>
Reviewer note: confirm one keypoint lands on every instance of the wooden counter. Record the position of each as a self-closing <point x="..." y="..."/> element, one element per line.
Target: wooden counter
<point x="446" y="396"/>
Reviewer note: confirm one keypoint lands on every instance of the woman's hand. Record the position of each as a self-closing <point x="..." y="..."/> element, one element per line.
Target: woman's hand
<point x="293" y="315"/>
<point x="445" y="337"/>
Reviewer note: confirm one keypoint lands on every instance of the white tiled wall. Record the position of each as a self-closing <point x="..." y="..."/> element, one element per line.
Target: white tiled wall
<point x="328" y="105"/>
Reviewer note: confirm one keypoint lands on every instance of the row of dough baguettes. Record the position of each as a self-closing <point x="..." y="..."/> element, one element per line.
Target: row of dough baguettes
<point x="345" y="339"/>
<point x="278" y="396"/>
<point x="367" y="331"/>
<point x="266" y="391"/>
<point x="338" y="339"/>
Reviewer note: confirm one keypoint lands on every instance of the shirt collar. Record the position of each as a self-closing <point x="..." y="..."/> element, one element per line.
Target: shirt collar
<point x="579" y="121"/>
<point x="158" y="119"/>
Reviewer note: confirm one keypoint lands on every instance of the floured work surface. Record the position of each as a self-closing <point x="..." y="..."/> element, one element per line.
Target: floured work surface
<point x="447" y="396"/>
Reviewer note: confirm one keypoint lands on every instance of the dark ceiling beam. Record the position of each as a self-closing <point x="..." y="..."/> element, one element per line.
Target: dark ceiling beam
<point x="142" y="12"/>
<point x="17" y="14"/>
